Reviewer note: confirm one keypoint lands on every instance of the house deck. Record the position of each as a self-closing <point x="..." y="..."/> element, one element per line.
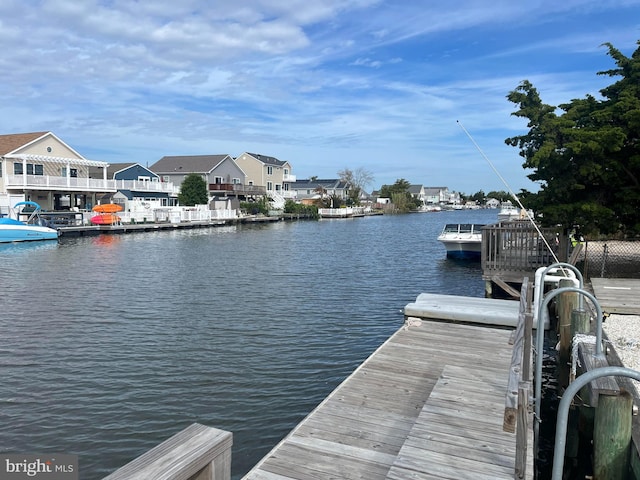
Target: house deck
<point x="429" y="403"/>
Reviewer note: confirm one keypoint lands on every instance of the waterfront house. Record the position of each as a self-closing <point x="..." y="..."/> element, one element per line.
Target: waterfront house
<point x="269" y="173"/>
<point x="139" y="188"/>
<point x="315" y="189"/>
<point x="436" y="195"/>
<point x="222" y="174"/>
<point x="40" y="167"/>
<point x="418" y="192"/>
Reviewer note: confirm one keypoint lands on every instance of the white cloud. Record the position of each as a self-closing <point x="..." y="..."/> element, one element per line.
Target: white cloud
<point x="319" y="83"/>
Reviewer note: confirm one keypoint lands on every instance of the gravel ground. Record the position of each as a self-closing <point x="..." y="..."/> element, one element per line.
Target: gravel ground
<point x="623" y="331"/>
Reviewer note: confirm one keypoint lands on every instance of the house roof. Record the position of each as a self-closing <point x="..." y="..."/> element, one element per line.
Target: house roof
<point x="334" y="184"/>
<point x="267" y="160"/>
<point x="187" y="163"/>
<point x="415" y="189"/>
<point x="11" y="142"/>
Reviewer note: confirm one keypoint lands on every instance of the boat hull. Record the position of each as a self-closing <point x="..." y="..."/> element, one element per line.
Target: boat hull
<point x="26" y="233"/>
<point x="463" y="250"/>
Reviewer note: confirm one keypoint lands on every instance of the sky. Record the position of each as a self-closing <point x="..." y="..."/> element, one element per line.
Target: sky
<point x="405" y="89"/>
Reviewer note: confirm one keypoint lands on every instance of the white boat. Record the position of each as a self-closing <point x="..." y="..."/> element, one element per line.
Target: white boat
<point x="462" y="240"/>
<point x="510" y="212"/>
<point x="33" y="229"/>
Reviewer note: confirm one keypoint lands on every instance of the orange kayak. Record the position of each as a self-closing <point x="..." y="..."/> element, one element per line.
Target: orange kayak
<point x="108" y="208"/>
<point x="105" y="219"/>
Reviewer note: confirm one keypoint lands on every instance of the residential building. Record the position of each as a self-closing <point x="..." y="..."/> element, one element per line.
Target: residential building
<point x="270" y="173"/>
<point x="40" y="167"/>
<point x="222" y="174"/>
<point x="140" y="188"/>
<point x="436" y="195"/>
<point x="315" y="188"/>
<point x="418" y="192"/>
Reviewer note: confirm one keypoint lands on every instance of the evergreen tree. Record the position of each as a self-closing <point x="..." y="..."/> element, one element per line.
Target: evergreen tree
<point x="193" y="191"/>
<point x="586" y="158"/>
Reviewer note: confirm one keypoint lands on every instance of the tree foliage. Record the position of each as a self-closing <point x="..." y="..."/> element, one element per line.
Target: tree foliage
<point x="585" y="154"/>
<point x="193" y="191"/>
<point x="400" y="195"/>
<point x="358" y="181"/>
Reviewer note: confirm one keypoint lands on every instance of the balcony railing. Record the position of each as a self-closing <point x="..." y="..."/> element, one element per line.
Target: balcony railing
<point x="48" y="182"/>
<point x="237" y="188"/>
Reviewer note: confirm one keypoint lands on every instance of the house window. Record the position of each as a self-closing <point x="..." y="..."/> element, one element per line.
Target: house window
<point x="17" y="168"/>
<point x="269" y="185"/>
<point x="0" y="169"/>
<point x="278" y="187"/>
<point x="286" y="171"/>
<point x="250" y="182"/>
<point x="269" y="170"/>
<point x="73" y="172"/>
<point x="217" y="180"/>
<point x="142" y="178"/>
<point x="236" y="181"/>
<point x="166" y="178"/>
<point x="38" y="169"/>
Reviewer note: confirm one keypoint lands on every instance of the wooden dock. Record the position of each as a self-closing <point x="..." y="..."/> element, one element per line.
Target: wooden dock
<point x="618" y="295"/>
<point x="429" y="403"/>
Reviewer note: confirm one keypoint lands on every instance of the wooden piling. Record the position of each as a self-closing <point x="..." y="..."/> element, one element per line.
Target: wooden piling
<point x="566" y="303"/>
<point x="580" y="322"/>
<point x="612" y="436"/>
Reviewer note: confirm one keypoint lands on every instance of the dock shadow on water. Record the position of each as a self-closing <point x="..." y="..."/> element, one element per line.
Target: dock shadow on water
<point x="110" y="347"/>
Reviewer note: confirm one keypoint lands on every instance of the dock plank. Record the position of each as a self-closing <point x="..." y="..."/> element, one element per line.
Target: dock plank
<point x="617" y="295"/>
<point x="359" y="430"/>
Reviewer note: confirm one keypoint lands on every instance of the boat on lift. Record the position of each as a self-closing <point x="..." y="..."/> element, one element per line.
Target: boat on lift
<point x="33" y="228"/>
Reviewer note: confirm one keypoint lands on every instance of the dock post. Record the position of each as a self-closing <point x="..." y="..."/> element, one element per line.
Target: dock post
<point x="567" y="302"/>
<point x="612" y="436"/>
<point x="580" y="322"/>
<point x="488" y="289"/>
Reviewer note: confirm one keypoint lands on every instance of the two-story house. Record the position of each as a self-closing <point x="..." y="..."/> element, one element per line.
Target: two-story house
<point x="42" y="168"/>
<point x="418" y="192"/>
<point x="270" y="173"/>
<point x="140" y="188"/>
<point x="223" y="176"/>
<point x="316" y="188"/>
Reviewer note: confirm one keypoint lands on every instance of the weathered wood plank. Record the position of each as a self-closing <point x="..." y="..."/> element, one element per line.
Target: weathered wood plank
<point x="359" y="429"/>
<point x="603" y="385"/>
<point x="617" y="295"/>
<point x="182" y="456"/>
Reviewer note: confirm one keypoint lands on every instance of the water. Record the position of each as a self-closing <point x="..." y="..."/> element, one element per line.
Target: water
<point x="111" y="344"/>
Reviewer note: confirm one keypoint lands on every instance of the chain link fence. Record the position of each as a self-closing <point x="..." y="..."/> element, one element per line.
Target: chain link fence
<point x="610" y="259"/>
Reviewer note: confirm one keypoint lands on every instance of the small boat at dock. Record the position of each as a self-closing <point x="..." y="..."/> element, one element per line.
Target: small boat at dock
<point x="462" y="240"/>
<point x="33" y="228"/>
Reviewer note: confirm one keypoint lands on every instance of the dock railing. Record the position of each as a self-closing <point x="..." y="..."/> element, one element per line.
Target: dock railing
<point x="196" y="453"/>
<point x="513" y="250"/>
<point x="517" y="412"/>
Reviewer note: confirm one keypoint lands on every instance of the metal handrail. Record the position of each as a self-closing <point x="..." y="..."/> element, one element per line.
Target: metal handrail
<point x="565" y="403"/>
<point x="540" y="341"/>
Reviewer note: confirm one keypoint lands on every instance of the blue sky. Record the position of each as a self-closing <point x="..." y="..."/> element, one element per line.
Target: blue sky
<point x="325" y="85"/>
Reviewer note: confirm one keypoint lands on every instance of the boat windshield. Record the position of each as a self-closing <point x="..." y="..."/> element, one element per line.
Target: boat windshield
<point x="463" y="228"/>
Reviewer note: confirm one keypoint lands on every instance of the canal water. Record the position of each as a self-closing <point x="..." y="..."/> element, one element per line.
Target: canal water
<point x="111" y="344"/>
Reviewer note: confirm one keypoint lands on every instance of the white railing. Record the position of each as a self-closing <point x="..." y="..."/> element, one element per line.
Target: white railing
<point x="177" y="215"/>
<point x="48" y="182"/>
<point x="138" y="186"/>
